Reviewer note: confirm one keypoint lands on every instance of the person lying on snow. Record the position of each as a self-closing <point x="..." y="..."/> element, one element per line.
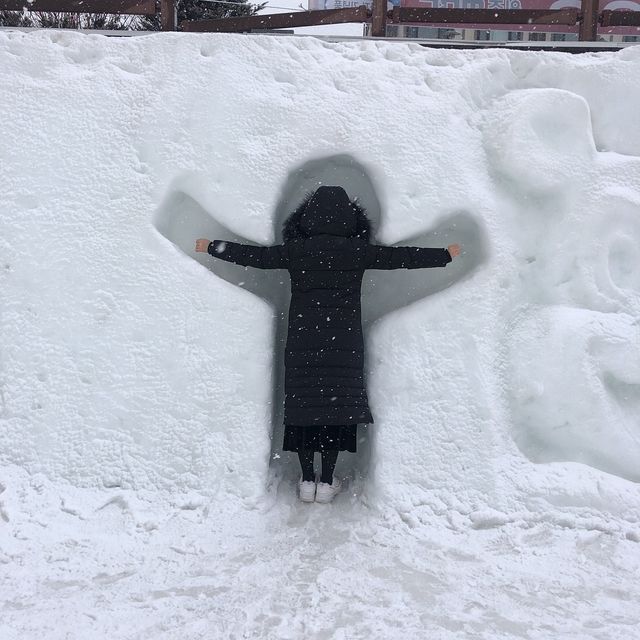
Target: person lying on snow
<point x="326" y="250"/>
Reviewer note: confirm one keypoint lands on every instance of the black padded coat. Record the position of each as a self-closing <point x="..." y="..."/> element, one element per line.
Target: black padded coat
<point x="324" y="357"/>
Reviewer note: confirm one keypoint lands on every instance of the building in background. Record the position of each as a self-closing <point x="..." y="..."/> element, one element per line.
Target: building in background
<point x="540" y="33"/>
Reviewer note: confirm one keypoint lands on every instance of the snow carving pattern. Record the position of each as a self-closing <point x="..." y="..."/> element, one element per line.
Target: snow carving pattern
<point x="574" y="347"/>
<point x="181" y="219"/>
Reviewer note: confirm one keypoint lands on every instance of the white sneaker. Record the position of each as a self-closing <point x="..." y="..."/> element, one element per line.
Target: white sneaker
<point x="307" y="490"/>
<point x="326" y="492"/>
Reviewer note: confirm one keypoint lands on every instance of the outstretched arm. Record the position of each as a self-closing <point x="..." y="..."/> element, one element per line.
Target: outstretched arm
<point x="275" y="257"/>
<point x="380" y="257"/>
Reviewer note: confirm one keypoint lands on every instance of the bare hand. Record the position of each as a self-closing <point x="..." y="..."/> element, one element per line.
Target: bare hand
<point x="454" y="250"/>
<point x="202" y="245"/>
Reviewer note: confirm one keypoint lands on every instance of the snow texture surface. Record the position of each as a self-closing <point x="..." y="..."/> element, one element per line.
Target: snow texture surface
<point x="143" y="491"/>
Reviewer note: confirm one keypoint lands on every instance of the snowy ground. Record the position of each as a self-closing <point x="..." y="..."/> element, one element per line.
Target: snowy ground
<point x="143" y="493"/>
<point x="106" y="564"/>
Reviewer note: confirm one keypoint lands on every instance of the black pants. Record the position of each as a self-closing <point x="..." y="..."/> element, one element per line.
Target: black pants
<point x="329" y="458"/>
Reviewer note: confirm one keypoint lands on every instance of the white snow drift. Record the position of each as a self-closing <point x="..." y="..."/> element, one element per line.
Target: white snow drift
<point x="505" y="388"/>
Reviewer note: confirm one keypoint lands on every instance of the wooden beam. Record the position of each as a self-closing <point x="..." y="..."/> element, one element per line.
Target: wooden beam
<point x="278" y="20"/>
<point x="379" y="19"/>
<point x="486" y="16"/>
<point x="589" y="21"/>
<point x="134" y="7"/>
<point x="168" y="15"/>
<point x="620" y="18"/>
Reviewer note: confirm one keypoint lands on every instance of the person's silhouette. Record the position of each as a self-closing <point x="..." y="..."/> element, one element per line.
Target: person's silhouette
<point x="326" y="250"/>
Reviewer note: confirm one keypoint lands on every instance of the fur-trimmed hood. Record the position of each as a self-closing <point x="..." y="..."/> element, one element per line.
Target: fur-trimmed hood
<point x="327" y="211"/>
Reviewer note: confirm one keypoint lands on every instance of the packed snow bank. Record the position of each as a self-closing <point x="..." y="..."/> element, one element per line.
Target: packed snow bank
<point x="128" y="361"/>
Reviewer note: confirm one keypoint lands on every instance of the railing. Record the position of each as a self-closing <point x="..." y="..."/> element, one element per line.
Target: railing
<point x="279" y="20"/>
<point x="550" y="17"/>
<point x="586" y="19"/>
<point x="165" y="8"/>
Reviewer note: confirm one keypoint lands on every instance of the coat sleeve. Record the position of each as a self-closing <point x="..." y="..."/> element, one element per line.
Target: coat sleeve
<point x="276" y="257"/>
<point x="380" y="257"/>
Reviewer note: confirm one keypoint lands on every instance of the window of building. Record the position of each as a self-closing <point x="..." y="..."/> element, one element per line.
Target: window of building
<point x="427" y="33"/>
<point x="499" y="36"/>
<point x="448" y="34"/>
<point x="564" y="37"/>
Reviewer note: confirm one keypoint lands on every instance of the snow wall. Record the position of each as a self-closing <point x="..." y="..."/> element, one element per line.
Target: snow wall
<point x="505" y="383"/>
